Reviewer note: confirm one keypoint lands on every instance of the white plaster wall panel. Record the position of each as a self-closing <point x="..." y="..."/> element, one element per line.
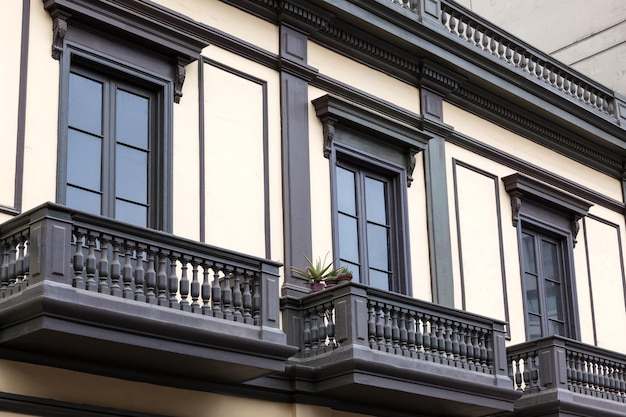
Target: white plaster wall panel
<point x="479" y="241"/>
<point x="607" y="282"/>
<point x="535" y="154"/>
<point x="363" y="78"/>
<point x="10" y="33"/>
<point x="42" y="113"/>
<point x="418" y="232"/>
<point x="583" y="294"/>
<point x="321" y="216"/>
<point x="186" y="181"/>
<point x="229" y="19"/>
<point x="234" y="168"/>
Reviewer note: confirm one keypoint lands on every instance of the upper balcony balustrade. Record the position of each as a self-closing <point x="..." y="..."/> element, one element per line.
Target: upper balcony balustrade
<point x="568" y="378"/>
<point x="102" y="295"/>
<point x="387" y="350"/>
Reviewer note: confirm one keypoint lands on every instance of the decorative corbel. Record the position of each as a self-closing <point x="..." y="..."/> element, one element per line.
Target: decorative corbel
<point x="179" y="78"/>
<point x="516" y="205"/>
<point x="575" y="227"/>
<point x="59" y="29"/>
<point x="410" y="165"/>
<point x="328" y="127"/>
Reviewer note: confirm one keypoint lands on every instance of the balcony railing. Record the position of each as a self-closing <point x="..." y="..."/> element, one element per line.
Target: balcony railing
<point x="137" y="280"/>
<point x="596" y="377"/>
<point x="427" y="344"/>
<point x="483" y="36"/>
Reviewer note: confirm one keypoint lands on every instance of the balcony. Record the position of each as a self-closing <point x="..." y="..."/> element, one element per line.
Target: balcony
<point x="563" y="377"/>
<point x="92" y="293"/>
<point x="389" y="351"/>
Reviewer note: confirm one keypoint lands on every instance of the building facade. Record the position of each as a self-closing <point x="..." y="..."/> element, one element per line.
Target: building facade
<point x="166" y="164"/>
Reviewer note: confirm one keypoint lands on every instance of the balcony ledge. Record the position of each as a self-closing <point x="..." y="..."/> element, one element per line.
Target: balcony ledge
<point x="563" y="402"/>
<point x="63" y="322"/>
<point x="358" y="374"/>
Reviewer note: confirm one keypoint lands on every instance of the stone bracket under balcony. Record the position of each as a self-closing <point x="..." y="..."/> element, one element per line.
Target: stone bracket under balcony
<point x="391" y="352"/>
<point x="92" y="294"/>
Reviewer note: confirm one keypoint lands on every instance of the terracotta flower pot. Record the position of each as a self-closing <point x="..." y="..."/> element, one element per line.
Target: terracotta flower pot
<point x="344" y="277"/>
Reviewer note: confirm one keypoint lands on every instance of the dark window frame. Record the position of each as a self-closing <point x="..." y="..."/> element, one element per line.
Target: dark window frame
<point x="85" y="59"/>
<point x="395" y="175"/>
<point x="538" y="207"/>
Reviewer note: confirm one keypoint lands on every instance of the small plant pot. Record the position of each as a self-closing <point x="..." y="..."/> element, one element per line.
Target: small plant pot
<point x="331" y="282"/>
<point x="344" y="277"/>
<point x="317" y="286"/>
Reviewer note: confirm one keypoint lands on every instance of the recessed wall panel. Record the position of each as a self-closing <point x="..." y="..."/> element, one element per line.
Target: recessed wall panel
<point x="606" y="271"/>
<point x="479" y="241"/>
<point x="10" y="33"/>
<point x="234" y="134"/>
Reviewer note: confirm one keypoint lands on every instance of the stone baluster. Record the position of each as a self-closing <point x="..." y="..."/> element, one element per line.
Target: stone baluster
<point x="518" y="373"/>
<point x="195" y="287"/>
<point x="448" y="341"/>
<point x="482" y="343"/>
<point x="371" y="326"/>
<point x="161" y="280"/>
<point x="322" y="344"/>
<point x="403" y="333"/>
<point x="127" y="271"/>
<point x="463" y="345"/>
<point x="247" y="297"/>
<point x="90" y="264"/>
<point x="387" y="329"/>
<point x="306" y="335"/>
<point x="19" y="263"/>
<point x="237" y="297"/>
<point x="205" y="289"/>
<point x="426" y="329"/>
<point x="227" y="294"/>
<point x="256" y="301"/>
<point x="216" y="293"/>
<point x="116" y="271"/>
<point x="4" y="271"/>
<point x="103" y="266"/>
<point x="184" y="284"/>
<point x="139" y="274"/>
<point x="330" y="327"/>
<point x="455" y="347"/>
<point x="78" y="262"/>
<point x="395" y="333"/>
<point x="411" y="336"/>
<point x="173" y="282"/>
<point x="435" y="338"/>
<point x="151" y="280"/>
<point x="490" y="353"/>
<point x="314" y="332"/>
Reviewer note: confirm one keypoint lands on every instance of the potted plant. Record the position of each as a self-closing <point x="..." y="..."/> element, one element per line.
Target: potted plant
<point x="332" y="278"/>
<point x="343" y="274"/>
<point x="316" y="272"/>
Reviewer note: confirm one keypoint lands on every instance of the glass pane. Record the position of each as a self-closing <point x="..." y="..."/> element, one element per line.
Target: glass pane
<point x="377" y="246"/>
<point x="554" y="302"/>
<point x="83" y="200"/>
<point x="379" y="280"/>
<point x="132" y="119"/>
<point x="346" y="191"/>
<point x="131" y="213"/>
<point x="556" y="327"/>
<point x="532" y="293"/>
<point x="550" y="261"/>
<point x="131" y="174"/>
<point x="348" y="239"/>
<point x="375" y="201"/>
<point x="84" y="159"/>
<point x="528" y="248"/>
<point x="85" y="104"/>
<point x="534" y="327"/>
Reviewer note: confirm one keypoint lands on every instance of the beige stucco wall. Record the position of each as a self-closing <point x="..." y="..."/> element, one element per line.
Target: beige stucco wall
<point x="79" y="388"/>
<point x="10" y="32"/>
<point x="234" y="166"/>
<point x="476" y="249"/>
<point x="231" y="20"/>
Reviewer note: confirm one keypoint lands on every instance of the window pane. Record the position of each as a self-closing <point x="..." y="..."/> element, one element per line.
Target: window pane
<point x="131" y="213"/>
<point x="534" y="327"/>
<point x="346" y="195"/>
<point x="554" y="303"/>
<point x="83" y="200"/>
<point x="528" y="248"/>
<point x="131" y="174"/>
<point x="550" y="261"/>
<point x="132" y="119"/>
<point x="556" y="327"/>
<point x="375" y="200"/>
<point x="379" y="280"/>
<point x="532" y="293"/>
<point x="84" y="160"/>
<point x="377" y="247"/>
<point x="85" y="104"/>
<point x="348" y="239"/>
